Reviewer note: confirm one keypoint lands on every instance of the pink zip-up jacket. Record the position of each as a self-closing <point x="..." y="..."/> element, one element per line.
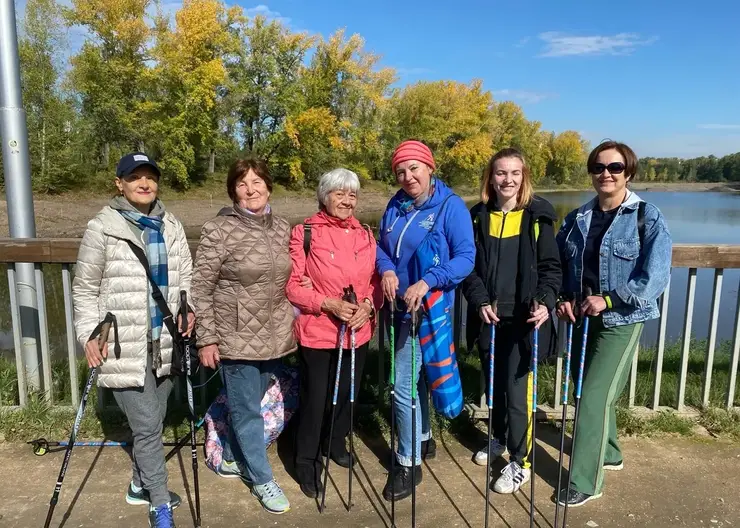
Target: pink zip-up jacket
<point x="342" y="253"/>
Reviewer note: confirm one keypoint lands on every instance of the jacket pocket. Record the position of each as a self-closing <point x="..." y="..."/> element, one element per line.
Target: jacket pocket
<point x="627" y="249"/>
<point x="625" y="253"/>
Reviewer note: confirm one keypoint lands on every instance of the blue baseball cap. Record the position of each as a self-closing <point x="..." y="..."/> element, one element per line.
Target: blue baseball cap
<point x="130" y="162"/>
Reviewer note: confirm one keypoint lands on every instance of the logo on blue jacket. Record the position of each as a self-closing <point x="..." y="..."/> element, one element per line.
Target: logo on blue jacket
<point x="428" y="222"/>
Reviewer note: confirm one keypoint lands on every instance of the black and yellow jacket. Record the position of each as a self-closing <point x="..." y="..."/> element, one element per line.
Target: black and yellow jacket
<point x="517" y="261"/>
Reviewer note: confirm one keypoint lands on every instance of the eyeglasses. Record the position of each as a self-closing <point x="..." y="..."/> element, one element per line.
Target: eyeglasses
<point x="613" y="168"/>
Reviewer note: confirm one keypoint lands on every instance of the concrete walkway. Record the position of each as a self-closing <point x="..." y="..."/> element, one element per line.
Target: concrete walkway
<point x="666" y="482"/>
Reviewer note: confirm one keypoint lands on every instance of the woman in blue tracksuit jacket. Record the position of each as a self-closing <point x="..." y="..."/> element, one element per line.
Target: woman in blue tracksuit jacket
<point x="409" y="217"/>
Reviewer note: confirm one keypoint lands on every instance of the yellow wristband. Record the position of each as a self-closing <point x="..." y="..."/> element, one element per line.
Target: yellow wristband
<point x="608" y="302"/>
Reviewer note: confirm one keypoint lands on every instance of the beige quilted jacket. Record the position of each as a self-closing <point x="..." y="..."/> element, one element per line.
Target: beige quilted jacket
<point x="109" y="278"/>
<point x="241" y="268"/>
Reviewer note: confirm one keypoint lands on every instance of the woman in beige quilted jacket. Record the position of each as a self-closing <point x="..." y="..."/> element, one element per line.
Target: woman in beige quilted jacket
<point x="245" y="321"/>
<point x="110" y="278"/>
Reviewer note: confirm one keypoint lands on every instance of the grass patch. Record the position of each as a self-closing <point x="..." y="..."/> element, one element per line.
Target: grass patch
<point x="39" y="418"/>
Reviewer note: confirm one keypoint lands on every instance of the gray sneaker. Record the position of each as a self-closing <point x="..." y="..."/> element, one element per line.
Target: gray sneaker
<point x="233" y="470"/>
<point x="271" y="497"/>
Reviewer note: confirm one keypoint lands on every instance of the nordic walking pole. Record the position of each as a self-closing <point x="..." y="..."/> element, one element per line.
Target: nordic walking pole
<point x="41" y="446"/>
<point x="413" y="418"/>
<point x="566" y="377"/>
<point x="392" y="320"/>
<point x="102" y="331"/>
<point x="189" y="385"/>
<point x="491" y="350"/>
<point x="351" y="416"/>
<point x="579" y="386"/>
<point x="535" y="353"/>
<point x="342" y="331"/>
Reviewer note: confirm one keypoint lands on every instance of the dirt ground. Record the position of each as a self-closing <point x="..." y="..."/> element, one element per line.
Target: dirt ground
<point x="665" y="482"/>
<point x="66" y="216"/>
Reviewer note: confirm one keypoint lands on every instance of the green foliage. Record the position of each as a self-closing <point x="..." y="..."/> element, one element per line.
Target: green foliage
<point x="209" y="84"/>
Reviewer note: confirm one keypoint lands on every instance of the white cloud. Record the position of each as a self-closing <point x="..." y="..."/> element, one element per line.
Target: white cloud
<point x="561" y="44"/>
<point x="263" y="10"/>
<point x="523" y="96"/>
<point x="715" y="126"/>
<point x="523" y="42"/>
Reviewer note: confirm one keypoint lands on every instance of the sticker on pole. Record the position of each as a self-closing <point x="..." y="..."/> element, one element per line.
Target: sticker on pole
<point x="13" y="144"/>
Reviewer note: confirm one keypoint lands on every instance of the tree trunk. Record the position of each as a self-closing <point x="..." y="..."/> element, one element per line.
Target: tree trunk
<point x="141" y="146"/>
<point x="212" y="162"/>
<point x="106" y="153"/>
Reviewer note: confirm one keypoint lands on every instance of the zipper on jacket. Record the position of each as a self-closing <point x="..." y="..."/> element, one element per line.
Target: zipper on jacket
<point x="498" y="253"/>
<point x="272" y="287"/>
<point x="403" y="232"/>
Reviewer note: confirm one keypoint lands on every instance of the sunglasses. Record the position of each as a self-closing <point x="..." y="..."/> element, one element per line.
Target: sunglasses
<point x="614" y="168"/>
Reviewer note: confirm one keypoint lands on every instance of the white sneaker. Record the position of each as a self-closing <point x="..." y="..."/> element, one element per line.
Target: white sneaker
<point x="497" y="450"/>
<point x="512" y="478"/>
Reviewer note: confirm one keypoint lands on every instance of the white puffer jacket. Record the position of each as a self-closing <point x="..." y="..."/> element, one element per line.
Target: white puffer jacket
<point x="109" y="278"/>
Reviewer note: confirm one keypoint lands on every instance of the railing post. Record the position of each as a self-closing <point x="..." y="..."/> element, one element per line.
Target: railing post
<point x="71" y="341"/>
<point x="686" y="348"/>
<point x="735" y="357"/>
<point x="43" y="332"/>
<point x="15" y="318"/>
<point x="714" y="317"/>
<point x="661" y="346"/>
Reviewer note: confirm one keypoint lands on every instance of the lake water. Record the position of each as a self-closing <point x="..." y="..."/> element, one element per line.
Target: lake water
<point x="699" y="218"/>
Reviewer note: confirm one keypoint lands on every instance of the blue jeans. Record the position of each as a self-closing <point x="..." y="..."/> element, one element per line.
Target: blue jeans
<point x="403" y="398"/>
<point x="246" y="383"/>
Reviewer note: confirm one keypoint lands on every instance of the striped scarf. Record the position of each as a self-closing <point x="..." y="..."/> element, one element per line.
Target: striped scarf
<point x="156" y="254"/>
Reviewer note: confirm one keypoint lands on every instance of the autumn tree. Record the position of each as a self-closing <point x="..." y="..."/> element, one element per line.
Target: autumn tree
<point x="516" y="131"/>
<point x="455" y="120"/>
<point x="110" y="72"/>
<point x="49" y="113"/>
<point x="569" y="153"/>
<point x="189" y="74"/>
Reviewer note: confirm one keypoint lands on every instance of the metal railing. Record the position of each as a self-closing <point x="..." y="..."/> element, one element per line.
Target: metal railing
<point x="63" y="252"/>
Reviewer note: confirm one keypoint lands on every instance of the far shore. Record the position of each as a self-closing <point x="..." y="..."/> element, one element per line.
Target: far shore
<point x="66" y="215"/>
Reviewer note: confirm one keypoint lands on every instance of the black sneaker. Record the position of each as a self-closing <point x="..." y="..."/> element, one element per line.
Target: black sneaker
<point x="341" y="458"/>
<point x="309" y="479"/>
<point x="576" y="498"/>
<point x="400" y="483"/>
<point x="142" y="497"/>
<point x="428" y="449"/>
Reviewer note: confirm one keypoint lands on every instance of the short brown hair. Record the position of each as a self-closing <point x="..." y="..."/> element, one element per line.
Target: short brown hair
<point x="526" y="191"/>
<point x="630" y="158"/>
<point x="240" y="168"/>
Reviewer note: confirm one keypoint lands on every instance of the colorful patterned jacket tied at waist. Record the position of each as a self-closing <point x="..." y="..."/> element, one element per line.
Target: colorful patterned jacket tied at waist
<point x="436" y="334"/>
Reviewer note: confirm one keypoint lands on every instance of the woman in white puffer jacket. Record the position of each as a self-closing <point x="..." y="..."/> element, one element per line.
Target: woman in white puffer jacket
<point x="110" y="278"/>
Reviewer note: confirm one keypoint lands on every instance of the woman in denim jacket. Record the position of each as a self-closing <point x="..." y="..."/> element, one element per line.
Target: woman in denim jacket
<point x="617" y="248"/>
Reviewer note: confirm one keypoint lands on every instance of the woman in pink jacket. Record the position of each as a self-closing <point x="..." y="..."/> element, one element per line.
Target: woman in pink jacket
<point x="340" y="253"/>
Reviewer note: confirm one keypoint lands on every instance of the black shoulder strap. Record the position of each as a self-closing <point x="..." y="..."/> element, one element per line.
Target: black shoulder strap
<point x="169" y="320"/>
<point x="306" y="237"/>
<point x="641" y="222"/>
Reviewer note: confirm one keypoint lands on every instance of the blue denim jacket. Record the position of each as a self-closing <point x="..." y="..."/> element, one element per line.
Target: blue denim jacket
<point x="637" y="275"/>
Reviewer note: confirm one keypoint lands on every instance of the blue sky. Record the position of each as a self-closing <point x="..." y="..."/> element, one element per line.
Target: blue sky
<point x="661" y="75"/>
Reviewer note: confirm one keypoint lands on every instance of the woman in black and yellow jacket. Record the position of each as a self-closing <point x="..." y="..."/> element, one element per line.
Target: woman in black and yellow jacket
<point x="518" y="271"/>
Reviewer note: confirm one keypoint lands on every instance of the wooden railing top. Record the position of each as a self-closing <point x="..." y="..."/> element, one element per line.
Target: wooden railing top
<point x="64" y="251"/>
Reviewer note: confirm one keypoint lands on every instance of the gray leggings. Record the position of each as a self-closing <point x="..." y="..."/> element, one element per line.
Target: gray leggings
<point x="145" y="408"/>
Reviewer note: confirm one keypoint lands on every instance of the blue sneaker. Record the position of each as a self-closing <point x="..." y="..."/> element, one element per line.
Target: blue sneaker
<point x="161" y="517"/>
<point x="141" y="497"/>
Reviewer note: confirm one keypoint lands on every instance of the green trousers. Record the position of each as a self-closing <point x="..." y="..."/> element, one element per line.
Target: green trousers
<point x="609" y="354"/>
